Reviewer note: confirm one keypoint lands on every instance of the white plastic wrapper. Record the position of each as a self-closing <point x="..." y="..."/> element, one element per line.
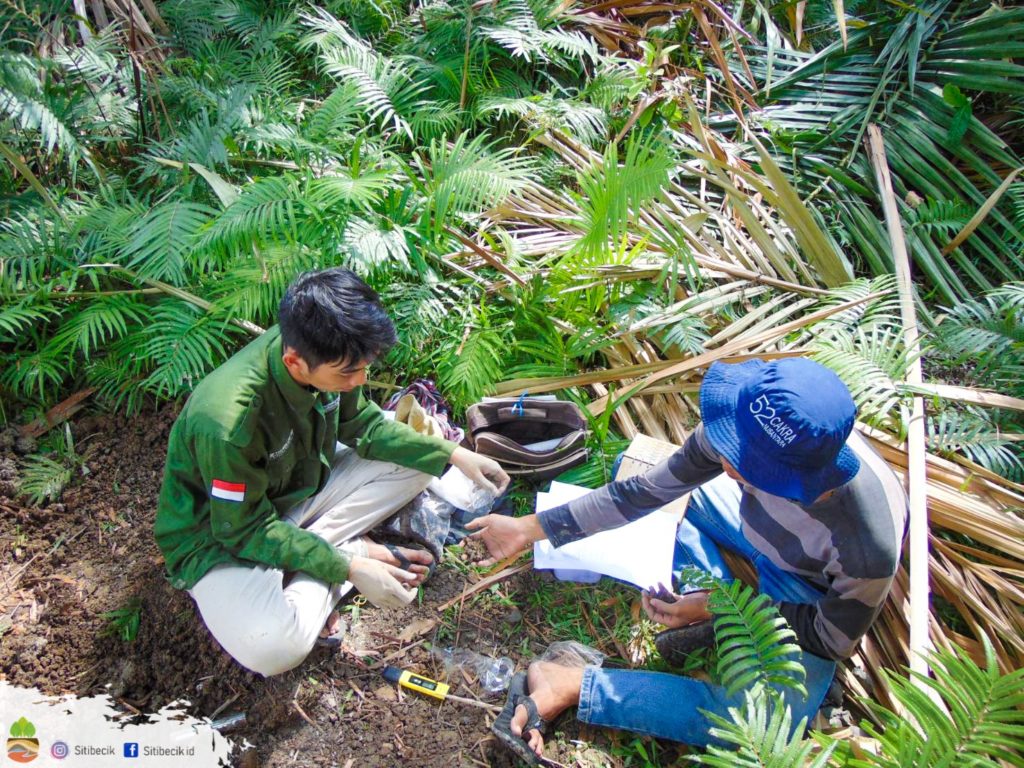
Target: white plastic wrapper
<point x="461" y="492"/>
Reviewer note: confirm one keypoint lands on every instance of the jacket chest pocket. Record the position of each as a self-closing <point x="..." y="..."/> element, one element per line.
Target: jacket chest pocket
<point x="282" y="458"/>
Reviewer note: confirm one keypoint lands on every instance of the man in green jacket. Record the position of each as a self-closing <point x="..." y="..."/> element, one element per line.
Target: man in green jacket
<point x="278" y="465"/>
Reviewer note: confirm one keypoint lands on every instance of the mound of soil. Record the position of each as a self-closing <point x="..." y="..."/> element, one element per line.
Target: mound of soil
<point x="68" y="563"/>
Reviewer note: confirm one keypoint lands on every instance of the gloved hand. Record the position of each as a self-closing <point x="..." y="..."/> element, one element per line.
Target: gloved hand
<point x="381" y="583"/>
<point x="482" y="470"/>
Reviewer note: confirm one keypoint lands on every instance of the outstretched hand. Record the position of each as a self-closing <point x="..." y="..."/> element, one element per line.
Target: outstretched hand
<point x="505" y="536"/>
<point x="482" y="470"/>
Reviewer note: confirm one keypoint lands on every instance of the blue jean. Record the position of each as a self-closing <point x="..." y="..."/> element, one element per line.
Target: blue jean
<point x="672" y="706"/>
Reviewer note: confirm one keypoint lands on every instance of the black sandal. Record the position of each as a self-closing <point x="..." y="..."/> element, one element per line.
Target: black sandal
<point x="403" y="561"/>
<point x="502" y="728"/>
<point x="675" y="645"/>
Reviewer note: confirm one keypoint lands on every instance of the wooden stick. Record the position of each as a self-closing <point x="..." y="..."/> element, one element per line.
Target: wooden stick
<point x="917" y="481"/>
<point x="484" y="584"/>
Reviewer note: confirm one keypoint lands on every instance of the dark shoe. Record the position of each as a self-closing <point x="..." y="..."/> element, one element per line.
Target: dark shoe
<point x="675" y="645"/>
<point x="502" y="728"/>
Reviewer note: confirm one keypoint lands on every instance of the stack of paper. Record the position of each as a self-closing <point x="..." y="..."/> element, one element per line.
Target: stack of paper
<point x="639" y="553"/>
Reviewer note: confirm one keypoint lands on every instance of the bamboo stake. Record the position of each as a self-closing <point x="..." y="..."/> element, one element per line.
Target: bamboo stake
<point x="917" y="482"/>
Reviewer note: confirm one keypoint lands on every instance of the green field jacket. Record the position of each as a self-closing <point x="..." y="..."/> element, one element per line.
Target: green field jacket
<point x="250" y="444"/>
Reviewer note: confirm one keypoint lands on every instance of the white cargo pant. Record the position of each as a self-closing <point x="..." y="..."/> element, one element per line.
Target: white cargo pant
<point x="270" y="627"/>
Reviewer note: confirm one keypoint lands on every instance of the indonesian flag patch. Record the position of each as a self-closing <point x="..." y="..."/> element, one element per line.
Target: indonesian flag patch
<point x="228" y="491"/>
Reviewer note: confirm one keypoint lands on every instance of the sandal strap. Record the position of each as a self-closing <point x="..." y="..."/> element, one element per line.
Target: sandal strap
<point x="403" y="561"/>
<point x="533" y="719"/>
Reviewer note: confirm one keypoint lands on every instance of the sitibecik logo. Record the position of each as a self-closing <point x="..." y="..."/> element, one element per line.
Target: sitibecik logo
<point x="774" y="426"/>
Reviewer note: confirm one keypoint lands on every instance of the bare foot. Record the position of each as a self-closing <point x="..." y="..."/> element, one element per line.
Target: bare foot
<point x="420" y="559"/>
<point x="554" y="689"/>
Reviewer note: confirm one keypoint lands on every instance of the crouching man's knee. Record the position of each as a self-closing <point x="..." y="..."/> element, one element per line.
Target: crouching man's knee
<point x="270" y="652"/>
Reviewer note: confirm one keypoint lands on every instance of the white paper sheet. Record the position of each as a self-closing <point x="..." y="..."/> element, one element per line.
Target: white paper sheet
<point x="639" y="553"/>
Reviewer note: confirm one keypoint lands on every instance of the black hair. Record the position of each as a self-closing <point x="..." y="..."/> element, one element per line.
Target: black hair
<point x="332" y="316"/>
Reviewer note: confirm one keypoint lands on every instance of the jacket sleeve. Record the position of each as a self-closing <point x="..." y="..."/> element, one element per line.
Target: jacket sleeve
<point x="363" y="426"/>
<point x="624" y="501"/>
<point x="245" y="523"/>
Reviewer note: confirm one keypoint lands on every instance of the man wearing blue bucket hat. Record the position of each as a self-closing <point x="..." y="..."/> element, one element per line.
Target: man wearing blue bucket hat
<point x="778" y="476"/>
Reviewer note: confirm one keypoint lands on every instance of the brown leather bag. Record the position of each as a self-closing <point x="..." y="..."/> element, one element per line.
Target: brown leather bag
<point x="503" y="428"/>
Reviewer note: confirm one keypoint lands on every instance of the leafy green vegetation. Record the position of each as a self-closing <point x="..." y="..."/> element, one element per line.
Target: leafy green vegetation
<point x="592" y="199"/>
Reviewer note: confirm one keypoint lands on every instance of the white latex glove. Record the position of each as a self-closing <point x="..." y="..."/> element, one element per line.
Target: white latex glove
<point x="482" y="470"/>
<point x="379" y="582"/>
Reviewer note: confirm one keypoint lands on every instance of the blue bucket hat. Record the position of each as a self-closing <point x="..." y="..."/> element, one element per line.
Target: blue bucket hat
<point x="782" y="424"/>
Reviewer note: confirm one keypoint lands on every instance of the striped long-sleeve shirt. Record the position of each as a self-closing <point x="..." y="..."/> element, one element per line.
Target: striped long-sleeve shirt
<point x="847" y="544"/>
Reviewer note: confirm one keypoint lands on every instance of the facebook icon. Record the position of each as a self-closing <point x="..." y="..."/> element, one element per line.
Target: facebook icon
<point x="131" y="749"/>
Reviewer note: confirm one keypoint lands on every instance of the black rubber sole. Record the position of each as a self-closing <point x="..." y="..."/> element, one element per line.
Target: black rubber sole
<point x="675" y="645"/>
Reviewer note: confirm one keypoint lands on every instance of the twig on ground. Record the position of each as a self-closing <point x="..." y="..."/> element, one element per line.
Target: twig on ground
<point x="396" y="654"/>
<point x="484" y="584"/>
<point x="304" y="716"/>
<point x="223" y="706"/>
<point x="473" y="702"/>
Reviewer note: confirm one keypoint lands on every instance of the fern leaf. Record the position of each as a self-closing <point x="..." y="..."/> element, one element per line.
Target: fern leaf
<point x="164" y="238"/>
<point x="183" y="345"/>
<point x="43" y="479"/>
<point x="99" y="322"/>
<point x="761" y="735"/>
<point x="468" y="177"/>
<point x="756" y="647"/>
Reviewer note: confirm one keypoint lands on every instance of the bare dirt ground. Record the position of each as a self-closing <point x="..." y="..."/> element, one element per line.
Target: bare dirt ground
<point x="64" y="565"/>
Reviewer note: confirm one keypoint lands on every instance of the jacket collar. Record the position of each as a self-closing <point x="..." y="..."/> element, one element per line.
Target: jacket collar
<point x="297" y="396"/>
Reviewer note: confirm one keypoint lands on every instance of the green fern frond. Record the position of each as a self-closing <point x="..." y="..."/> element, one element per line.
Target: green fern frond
<point x="182" y="345"/>
<point x="612" y="195"/>
<point x="871" y="362"/>
<point x="467" y="177"/>
<point x="164" y="238"/>
<point x="43" y="479"/>
<point x="761" y="735"/>
<point x="97" y="323"/>
<point x="980" y="721"/>
<point x="756" y="647"/>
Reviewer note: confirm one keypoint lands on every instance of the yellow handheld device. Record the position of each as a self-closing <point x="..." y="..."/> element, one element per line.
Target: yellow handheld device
<point x="415" y="682"/>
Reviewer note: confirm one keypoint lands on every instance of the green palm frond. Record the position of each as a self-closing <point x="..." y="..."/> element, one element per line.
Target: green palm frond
<point x="466" y="177"/>
<point x="872" y="362"/>
<point x="979" y="722"/>
<point x="19" y="316"/>
<point x="973" y="434"/>
<point x="43" y="479"/>
<point x="253" y="287"/>
<point x="97" y="323"/>
<point x="760" y="734"/>
<point x="181" y="346"/>
<point x="387" y="89"/>
<point x="896" y="71"/>
<point x="337" y="117"/>
<point x="25" y="102"/>
<point x="268" y="210"/>
<point x="164" y="238"/>
<point x="988" y="333"/>
<point x="612" y="195"/>
<point x="756" y="647"/>
<point x="466" y="376"/>
<point x="39" y="373"/>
